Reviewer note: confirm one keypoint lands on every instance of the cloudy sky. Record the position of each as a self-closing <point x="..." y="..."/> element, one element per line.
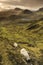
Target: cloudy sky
<point x="25" y="4"/>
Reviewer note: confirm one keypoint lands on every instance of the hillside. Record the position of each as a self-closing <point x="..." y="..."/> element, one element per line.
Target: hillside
<point x="24" y="29"/>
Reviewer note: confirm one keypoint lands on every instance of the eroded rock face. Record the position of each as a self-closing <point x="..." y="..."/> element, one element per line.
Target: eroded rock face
<point x="33" y="27"/>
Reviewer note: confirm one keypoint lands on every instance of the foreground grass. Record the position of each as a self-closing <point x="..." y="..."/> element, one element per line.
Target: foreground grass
<point x="31" y="39"/>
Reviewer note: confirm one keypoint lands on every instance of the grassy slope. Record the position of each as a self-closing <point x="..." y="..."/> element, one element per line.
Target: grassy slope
<point x="28" y="36"/>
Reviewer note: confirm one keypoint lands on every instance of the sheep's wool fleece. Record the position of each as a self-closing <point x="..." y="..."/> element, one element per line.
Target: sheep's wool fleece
<point x="15" y="44"/>
<point x="24" y="52"/>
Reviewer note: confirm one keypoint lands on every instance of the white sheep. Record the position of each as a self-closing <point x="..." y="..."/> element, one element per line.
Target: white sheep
<point x="24" y="52"/>
<point x="15" y="44"/>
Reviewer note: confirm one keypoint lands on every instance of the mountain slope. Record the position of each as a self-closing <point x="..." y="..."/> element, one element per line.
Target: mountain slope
<point x="27" y="31"/>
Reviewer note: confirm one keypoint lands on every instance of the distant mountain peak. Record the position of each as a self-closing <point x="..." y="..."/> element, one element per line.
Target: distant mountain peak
<point x="41" y="9"/>
<point x="26" y="11"/>
<point x="18" y="9"/>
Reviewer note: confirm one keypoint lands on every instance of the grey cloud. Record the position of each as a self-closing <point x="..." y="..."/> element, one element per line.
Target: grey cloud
<point x="27" y="3"/>
<point x="32" y="3"/>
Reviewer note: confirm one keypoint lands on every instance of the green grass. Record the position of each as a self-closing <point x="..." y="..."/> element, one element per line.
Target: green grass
<point x="12" y="31"/>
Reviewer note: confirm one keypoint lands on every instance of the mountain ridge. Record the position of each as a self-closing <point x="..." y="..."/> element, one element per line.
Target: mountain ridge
<point x="16" y="11"/>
